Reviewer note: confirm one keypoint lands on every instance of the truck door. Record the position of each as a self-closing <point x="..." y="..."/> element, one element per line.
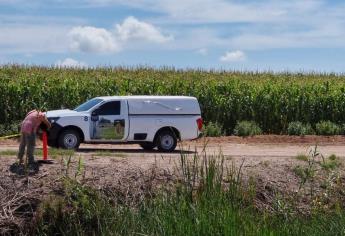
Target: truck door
<point x="109" y="122"/>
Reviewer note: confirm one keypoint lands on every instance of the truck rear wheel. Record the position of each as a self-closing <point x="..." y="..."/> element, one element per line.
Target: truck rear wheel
<point x="69" y="139"/>
<point x="166" y="141"/>
<point x="148" y="146"/>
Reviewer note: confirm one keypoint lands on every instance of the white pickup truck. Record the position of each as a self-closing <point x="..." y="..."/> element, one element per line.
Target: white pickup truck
<point x="151" y="121"/>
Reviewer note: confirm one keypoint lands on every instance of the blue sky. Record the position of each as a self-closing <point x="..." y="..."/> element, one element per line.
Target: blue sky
<point x="278" y="35"/>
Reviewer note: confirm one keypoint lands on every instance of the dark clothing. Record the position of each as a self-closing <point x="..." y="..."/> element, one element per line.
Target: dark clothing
<point x="28" y="141"/>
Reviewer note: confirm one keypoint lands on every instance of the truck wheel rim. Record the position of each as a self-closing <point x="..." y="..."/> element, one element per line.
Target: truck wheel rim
<point x="70" y="141"/>
<point x="167" y="142"/>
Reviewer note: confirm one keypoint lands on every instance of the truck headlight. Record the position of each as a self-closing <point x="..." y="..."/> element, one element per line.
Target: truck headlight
<point x="53" y="119"/>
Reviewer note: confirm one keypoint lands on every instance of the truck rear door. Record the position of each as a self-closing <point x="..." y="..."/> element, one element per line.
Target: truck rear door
<point x="109" y="122"/>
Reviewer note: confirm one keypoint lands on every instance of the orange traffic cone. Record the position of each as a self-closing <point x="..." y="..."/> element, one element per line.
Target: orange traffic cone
<point x="45" y="148"/>
<point x="45" y="145"/>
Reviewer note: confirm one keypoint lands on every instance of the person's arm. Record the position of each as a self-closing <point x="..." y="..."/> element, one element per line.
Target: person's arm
<point x="45" y="121"/>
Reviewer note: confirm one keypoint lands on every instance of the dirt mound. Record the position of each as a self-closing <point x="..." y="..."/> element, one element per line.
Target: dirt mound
<point x="22" y="190"/>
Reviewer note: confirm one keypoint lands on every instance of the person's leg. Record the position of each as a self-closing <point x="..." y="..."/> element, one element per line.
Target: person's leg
<point x="31" y="142"/>
<point x="22" y="148"/>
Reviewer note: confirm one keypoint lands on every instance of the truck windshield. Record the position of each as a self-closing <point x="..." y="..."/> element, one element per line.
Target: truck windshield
<point x="88" y="105"/>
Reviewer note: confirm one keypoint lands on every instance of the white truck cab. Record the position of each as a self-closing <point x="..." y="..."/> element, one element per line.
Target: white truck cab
<point x="151" y="121"/>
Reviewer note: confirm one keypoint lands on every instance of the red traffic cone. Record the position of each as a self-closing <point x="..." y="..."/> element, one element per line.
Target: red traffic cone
<point x="45" y="148"/>
<point x="45" y="145"/>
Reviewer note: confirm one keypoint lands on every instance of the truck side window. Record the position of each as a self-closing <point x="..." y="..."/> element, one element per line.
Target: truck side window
<point x="109" y="108"/>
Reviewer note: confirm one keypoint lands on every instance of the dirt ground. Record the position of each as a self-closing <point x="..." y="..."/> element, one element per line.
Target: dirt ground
<point x="270" y="159"/>
<point x="276" y="152"/>
<point x="268" y="156"/>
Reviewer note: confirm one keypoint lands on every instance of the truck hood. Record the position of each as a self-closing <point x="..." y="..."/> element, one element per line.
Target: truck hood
<point x="63" y="113"/>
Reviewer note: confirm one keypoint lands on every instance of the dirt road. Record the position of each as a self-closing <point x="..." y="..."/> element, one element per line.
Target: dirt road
<point x="267" y="147"/>
<point x="279" y="150"/>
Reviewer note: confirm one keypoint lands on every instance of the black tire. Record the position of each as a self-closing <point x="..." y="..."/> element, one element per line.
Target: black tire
<point x="69" y="139"/>
<point x="166" y="141"/>
<point x="147" y="146"/>
<point x="53" y="143"/>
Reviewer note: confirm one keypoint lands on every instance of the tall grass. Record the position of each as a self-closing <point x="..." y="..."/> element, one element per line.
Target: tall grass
<point x="207" y="199"/>
<point x="271" y="100"/>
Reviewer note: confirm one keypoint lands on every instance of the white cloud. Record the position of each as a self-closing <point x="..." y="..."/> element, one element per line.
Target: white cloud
<point x="268" y="24"/>
<point x="69" y="62"/>
<point x="202" y="51"/>
<point x="275" y="23"/>
<point x="32" y="35"/>
<point x="132" y="28"/>
<point x="92" y="39"/>
<point x="233" y="56"/>
<point x="100" y="40"/>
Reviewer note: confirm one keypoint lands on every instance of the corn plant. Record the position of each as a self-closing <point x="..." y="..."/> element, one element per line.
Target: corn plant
<point x="226" y="97"/>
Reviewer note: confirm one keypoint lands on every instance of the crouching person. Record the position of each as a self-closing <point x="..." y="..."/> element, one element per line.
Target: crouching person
<point x="28" y="131"/>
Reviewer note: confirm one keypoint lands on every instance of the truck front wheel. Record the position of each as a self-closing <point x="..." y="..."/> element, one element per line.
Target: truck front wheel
<point x="69" y="139"/>
<point x="166" y="141"/>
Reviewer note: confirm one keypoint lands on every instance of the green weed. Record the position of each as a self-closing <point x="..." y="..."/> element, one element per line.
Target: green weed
<point x="212" y="129"/>
<point x="302" y="157"/>
<point x="331" y="163"/>
<point x="327" y="128"/>
<point x="298" y="128"/>
<point x="247" y="128"/>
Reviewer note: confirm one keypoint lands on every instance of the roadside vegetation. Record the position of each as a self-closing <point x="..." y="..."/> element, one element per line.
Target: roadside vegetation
<point x="212" y="129"/>
<point x="204" y="195"/>
<point x="328" y="128"/>
<point x="298" y="128"/>
<point x="247" y="128"/>
<point x="206" y="198"/>
<point x="9" y="128"/>
<point x="270" y="100"/>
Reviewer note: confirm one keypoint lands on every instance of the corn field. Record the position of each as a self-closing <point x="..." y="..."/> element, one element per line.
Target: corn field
<point x="271" y="100"/>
